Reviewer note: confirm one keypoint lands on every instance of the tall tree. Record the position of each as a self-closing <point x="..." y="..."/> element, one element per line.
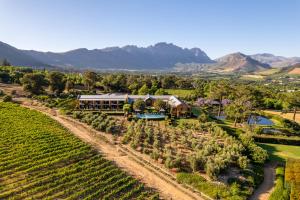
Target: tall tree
<point x="293" y="99"/>
<point x="34" y="83"/>
<point x="139" y="104"/>
<point x="89" y="79"/>
<point x="219" y="90"/>
<point x="56" y="82"/>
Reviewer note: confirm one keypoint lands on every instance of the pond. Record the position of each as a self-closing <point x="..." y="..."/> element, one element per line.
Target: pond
<point x="150" y="116"/>
<point x="260" y="120"/>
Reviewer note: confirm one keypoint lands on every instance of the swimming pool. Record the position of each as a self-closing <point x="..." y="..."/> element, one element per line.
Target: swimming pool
<point x="150" y="116"/>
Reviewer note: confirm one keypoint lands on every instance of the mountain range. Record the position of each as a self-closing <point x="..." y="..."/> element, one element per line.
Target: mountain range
<point x="161" y="56"/>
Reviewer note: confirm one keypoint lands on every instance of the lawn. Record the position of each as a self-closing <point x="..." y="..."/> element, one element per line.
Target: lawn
<point x="182" y="93"/>
<point x="279" y="152"/>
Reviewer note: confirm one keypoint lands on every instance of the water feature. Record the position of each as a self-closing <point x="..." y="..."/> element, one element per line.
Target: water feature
<point x="151" y="116"/>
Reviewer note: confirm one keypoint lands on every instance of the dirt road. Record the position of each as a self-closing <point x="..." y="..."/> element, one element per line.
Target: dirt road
<point x="168" y="188"/>
<point x="265" y="189"/>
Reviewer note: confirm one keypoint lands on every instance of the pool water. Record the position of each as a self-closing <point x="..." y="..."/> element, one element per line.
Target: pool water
<point x="260" y="120"/>
<point x="150" y="116"/>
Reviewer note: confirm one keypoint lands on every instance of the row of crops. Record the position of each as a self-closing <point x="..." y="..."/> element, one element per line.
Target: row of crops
<point x="39" y="159"/>
<point x="292" y="177"/>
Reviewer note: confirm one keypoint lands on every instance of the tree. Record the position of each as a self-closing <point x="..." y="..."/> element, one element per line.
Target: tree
<point x="89" y="78"/>
<point x="34" y="83"/>
<point x="144" y="90"/>
<point x="126" y="108"/>
<point x="293" y="99"/>
<point x="4" y="77"/>
<point x="159" y="104"/>
<point x="69" y="84"/>
<point x="238" y="109"/>
<point x="139" y="104"/>
<point x="218" y="91"/>
<point x="56" y="82"/>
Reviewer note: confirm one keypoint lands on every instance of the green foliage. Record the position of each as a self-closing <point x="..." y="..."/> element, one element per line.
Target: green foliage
<point x="280" y="191"/>
<point x="139" y="104"/>
<point x="56" y="163"/>
<point x="216" y="191"/>
<point x="7" y="98"/>
<point x="143" y="90"/>
<point x="34" y="83"/>
<point x="56" y="82"/>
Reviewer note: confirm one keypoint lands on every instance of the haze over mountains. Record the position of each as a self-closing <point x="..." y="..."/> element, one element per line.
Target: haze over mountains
<point x="161" y="56"/>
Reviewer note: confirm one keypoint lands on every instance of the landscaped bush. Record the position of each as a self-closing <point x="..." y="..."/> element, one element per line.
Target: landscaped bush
<point x="216" y="191"/>
<point x="7" y="98"/>
<point x="281" y="190"/>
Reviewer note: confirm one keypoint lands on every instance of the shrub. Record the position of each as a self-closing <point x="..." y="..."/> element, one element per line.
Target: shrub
<point x="7" y="98"/>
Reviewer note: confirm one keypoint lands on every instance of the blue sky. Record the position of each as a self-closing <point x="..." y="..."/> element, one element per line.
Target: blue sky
<point x="218" y="27"/>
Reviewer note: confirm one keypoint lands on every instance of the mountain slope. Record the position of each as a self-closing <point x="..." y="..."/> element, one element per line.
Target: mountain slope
<point x="238" y="62"/>
<point x="17" y="57"/>
<point x="276" y="61"/>
<point x="293" y="69"/>
<point x="158" y="56"/>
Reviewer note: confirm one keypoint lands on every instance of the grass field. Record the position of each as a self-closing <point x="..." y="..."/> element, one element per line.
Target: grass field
<point x="279" y="152"/>
<point x="39" y="159"/>
<point x="180" y="92"/>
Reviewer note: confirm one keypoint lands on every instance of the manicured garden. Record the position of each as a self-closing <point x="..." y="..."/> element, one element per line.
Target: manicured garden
<point x="279" y="152"/>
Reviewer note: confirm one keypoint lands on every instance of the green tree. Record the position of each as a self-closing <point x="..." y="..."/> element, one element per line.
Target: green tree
<point x="69" y="84"/>
<point x="34" y="83"/>
<point x="139" y="104"/>
<point x="159" y="104"/>
<point x="218" y="91"/>
<point x="89" y="79"/>
<point x="126" y="108"/>
<point x="143" y="90"/>
<point x="56" y="82"/>
<point x="293" y="99"/>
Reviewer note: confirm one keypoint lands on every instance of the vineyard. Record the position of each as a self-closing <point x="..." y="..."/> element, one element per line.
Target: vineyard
<point x="292" y="176"/>
<point x="39" y="159"/>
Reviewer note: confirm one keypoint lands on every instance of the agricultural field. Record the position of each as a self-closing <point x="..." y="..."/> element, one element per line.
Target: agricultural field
<point x="279" y="152"/>
<point x="42" y="160"/>
<point x="292" y="176"/>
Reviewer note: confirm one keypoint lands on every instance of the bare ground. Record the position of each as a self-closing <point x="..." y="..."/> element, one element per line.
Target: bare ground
<point x="264" y="191"/>
<point x="285" y="115"/>
<point x="128" y="161"/>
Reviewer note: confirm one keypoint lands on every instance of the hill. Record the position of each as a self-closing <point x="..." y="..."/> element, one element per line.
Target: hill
<point x="238" y="62"/>
<point x="294" y="69"/>
<point x="17" y="57"/>
<point x="275" y="61"/>
<point x="161" y="56"/>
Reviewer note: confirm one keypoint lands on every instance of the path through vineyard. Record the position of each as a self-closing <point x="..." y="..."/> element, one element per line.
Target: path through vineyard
<point x="168" y="188"/>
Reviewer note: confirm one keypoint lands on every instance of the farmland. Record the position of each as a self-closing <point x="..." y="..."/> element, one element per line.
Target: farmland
<point x="42" y="160"/>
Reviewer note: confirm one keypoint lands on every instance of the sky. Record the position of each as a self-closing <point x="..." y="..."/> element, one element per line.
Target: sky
<point x="218" y="27"/>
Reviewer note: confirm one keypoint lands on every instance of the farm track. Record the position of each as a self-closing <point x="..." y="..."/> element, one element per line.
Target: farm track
<point x="265" y="189"/>
<point x="142" y="169"/>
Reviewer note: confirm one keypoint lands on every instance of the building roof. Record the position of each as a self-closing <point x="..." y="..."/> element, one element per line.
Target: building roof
<point x="172" y="100"/>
